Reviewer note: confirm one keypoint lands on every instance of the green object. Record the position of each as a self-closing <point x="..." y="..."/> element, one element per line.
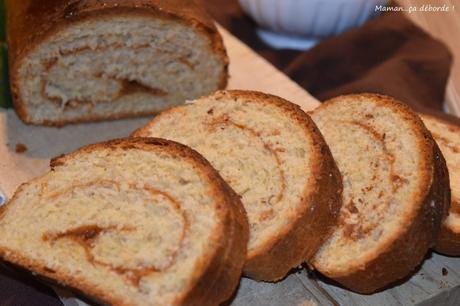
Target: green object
<point x="5" y="94"/>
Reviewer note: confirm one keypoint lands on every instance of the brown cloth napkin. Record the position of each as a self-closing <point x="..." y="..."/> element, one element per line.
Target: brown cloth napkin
<point x="388" y="55"/>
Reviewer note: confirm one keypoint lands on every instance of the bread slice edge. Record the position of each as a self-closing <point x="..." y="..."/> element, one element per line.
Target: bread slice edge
<point x="222" y="267"/>
<point x="18" y="54"/>
<point x="448" y="241"/>
<point x="402" y="254"/>
<point x="304" y="236"/>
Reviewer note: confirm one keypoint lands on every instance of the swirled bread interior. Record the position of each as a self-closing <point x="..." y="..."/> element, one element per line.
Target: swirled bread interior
<point x="448" y="138"/>
<point x="117" y="66"/>
<point x="128" y="222"/>
<point x="385" y="156"/>
<point x="269" y="151"/>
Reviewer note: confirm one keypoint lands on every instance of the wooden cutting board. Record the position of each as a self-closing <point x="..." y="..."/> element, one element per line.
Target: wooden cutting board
<point x="429" y="286"/>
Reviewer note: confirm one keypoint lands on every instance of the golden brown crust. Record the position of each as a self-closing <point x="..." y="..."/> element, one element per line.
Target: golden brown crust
<point x="409" y="250"/>
<point x="30" y="22"/>
<point x="403" y="255"/>
<point x="221" y="270"/>
<point x="448" y="241"/>
<point x="299" y="241"/>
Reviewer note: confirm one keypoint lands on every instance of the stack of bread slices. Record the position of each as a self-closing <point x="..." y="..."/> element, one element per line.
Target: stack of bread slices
<point x="241" y="183"/>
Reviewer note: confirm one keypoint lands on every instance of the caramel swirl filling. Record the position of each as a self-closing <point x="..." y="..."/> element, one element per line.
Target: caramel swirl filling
<point x="144" y="234"/>
<point x="62" y="73"/>
<point x="272" y="196"/>
<point x="364" y="191"/>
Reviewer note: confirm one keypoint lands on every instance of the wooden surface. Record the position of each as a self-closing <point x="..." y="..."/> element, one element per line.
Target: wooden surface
<point x="426" y="287"/>
<point x="446" y="27"/>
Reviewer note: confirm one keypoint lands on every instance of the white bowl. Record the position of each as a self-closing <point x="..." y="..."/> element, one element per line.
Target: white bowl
<point x="310" y="18"/>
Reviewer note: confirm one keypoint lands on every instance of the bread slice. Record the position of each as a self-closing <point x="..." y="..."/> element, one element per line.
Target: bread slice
<point x="130" y="222"/>
<point x="396" y="191"/>
<point x="274" y="157"/>
<point x="448" y="138"/>
<point x="73" y="61"/>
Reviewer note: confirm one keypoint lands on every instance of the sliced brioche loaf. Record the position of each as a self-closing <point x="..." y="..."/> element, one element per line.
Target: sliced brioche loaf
<point x="448" y="138"/>
<point x="73" y="61"/>
<point x="274" y="157"/>
<point x="130" y="222"/>
<point x="396" y="191"/>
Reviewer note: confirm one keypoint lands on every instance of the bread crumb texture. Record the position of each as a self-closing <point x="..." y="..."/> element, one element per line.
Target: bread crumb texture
<point x="116" y="66"/>
<point x="134" y="223"/>
<point x="448" y="138"/>
<point x="257" y="147"/>
<point x="382" y="156"/>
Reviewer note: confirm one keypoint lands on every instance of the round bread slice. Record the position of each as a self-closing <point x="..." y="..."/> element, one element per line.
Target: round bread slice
<point x="75" y="61"/>
<point x="396" y="191"/>
<point x="130" y="222"/>
<point x="275" y="158"/>
<point x="448" y="138"/>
